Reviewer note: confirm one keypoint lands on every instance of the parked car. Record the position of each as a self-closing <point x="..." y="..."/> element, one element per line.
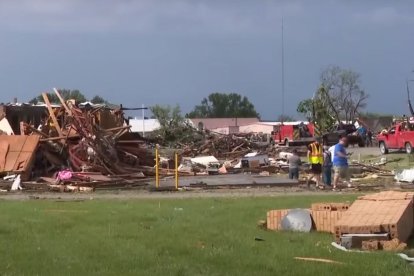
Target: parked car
<point x="349" y="130"/>
<point x="399" y="137"/>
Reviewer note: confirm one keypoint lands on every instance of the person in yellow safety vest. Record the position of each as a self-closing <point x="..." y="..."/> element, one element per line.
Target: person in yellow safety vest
<point x="315" y="158"/>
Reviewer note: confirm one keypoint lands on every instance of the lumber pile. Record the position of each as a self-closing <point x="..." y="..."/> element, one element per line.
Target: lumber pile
<point x="371" y="168"/>
<point x="222" y="146"/>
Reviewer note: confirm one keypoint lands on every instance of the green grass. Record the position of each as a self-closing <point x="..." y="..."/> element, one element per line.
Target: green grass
<point x="396" y="160"/>
<point x="401" y="161"/>
<point x="171" y="237"/>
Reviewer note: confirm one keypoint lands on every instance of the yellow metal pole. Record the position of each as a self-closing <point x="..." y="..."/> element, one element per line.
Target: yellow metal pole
<point x="176" y="171"/>
<point x="157" y="165"/>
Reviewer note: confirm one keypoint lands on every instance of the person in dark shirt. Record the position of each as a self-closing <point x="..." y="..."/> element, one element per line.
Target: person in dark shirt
<point x="327" y="166"/>
<point x="368" y="142"/>
<point x="294" y="165"/>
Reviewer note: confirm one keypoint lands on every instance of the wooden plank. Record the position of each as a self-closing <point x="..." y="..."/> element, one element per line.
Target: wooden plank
<point x="317" y="260"/>
<point x="62" y="101"/>
<point x="4" y="149"/>
<point x="52" y="115"/>
<point x="20" y="153"/>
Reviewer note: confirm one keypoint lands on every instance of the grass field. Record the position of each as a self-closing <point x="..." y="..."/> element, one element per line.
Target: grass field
<point x="171" y="237"/>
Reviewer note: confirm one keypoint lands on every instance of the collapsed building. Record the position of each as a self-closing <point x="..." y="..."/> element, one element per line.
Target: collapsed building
<point x="42" y="140"/>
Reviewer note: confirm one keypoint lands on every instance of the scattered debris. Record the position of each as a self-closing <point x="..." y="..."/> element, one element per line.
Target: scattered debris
<point x="357" y="240"/>
<point x="262" y="224"/>
<point x="405" y="176"/>
<point x="320" y="260"/>
<point x="405" y="257"/>
<point x="16" y="184"/>
<point x="393" y="245"/>
<point x="84" y="147"/>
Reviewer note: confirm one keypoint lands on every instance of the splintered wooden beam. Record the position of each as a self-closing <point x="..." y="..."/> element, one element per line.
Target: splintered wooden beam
<point x="320" y="260"/>
<point x="52" y="114"/>
<point x="62" y="101"/>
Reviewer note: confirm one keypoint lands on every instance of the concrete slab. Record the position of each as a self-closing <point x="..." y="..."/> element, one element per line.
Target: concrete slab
<point x="237" y="180"/>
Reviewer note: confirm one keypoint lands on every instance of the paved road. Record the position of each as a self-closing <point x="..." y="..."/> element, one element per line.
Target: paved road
<point x="363" y="151"/>
<point x="230" y="180"/>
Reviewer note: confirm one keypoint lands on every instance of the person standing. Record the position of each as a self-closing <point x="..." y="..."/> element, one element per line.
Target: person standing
<point x="327" y="167"/>
<point x="362" y="132"/>
<point x="315" y="157"/>
<point x="340" y="163"/>
<point x="294" y="165"/>
<point x="369" y="138"/>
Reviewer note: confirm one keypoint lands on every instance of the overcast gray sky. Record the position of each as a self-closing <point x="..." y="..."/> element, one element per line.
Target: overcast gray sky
<point x="179" y="51"/>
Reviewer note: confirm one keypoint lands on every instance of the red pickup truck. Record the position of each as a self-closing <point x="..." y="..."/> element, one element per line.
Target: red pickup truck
<point x="400" y="136"/>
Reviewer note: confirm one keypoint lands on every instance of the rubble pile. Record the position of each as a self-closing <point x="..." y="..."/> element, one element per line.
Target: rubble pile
<point x="87" y="145"/>
<point x="223" y="146"/>
<point x="75" y="147"/>
<point x="92" y="144"/>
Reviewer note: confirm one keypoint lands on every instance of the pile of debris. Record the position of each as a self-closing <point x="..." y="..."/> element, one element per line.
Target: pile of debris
<point x="87" y="146"/>
<point x="223" y="146"/>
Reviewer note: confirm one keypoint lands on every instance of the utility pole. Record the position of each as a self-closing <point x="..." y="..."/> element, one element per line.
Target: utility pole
<point x="283" y="74"/>
<point x="143" y="120"/>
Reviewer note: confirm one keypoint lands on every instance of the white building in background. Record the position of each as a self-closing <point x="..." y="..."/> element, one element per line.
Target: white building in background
<point x="256" y="127"/>
<point x="219" y="125"/>
<point x="144" y="126"/>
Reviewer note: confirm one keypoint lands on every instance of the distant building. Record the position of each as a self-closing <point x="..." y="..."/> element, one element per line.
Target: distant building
<point x="254" y="127"/>
<point x="222" y="125"/>
<point x="218" y="125"/>
<point x="16" y="113"/>
<point x="145" y="126"/>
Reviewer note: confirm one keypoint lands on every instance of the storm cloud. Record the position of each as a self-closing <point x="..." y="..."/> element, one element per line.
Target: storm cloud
<point x="179" y="51"/>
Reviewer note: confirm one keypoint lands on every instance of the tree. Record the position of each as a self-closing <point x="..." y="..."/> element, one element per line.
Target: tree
<point x="317" y="110"/>
<point x="98" y="100"/>
<point x="338" y="98"/>
<point x="66" y="94"/>
<point x="344" y="94"/>
<point x="173" y="126"/>
<point x="223" y="105"/>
